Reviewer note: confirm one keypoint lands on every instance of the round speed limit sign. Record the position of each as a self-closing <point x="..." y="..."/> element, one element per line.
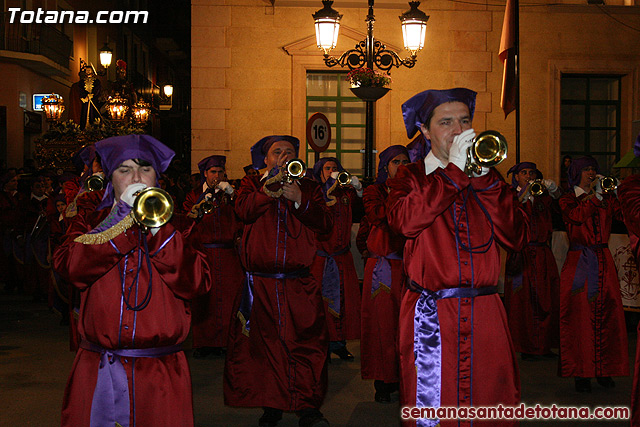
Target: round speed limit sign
<point x="318" y="132"/>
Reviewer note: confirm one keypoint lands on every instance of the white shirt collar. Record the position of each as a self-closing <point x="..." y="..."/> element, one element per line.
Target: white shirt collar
<point x="431" y="163"/>
<point x="205" y="187"/>
<point x="578" y="190"/>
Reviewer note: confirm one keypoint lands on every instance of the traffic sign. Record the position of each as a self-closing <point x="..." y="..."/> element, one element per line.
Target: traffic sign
<point x="318" y="132"/>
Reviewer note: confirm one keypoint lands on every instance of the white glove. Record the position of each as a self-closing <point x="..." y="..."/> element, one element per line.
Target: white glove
<point x="356" y="183"/>
<point x="335" y="174"/>
<point x="154" y="230"/>
<point x="128" y="196"/>
<point x="597" y="187"/>
<point x="458" y="150"/>
<point x="208" y="196"/>
<point x="226" y="187"/>
<point x="551" y="186"/>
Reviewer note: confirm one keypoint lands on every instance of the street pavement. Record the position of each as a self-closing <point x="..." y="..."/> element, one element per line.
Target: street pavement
<point x="35" y="362"/>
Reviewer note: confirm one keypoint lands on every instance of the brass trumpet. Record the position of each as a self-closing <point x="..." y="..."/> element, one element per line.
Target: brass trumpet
<point x="206" y="207"/>
<point x="608" y="184"/>
<point x="94" y="183"/>
<point x="536" y="187"/>
<point x="344" y="178"/>
<point x="489" y="149"/>
<point x="152" y="207"/>
<point x="294" y="169"/>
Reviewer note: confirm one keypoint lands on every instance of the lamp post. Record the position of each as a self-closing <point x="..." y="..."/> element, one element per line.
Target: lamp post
<point x="368" y="53"/>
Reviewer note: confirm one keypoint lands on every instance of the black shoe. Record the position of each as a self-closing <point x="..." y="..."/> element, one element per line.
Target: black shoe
<point x="583" y="385"/>
<point x="550" y="355"/>
<point x="382" y="397"/>
<point x="216" y="351"/>
<point x="529" y="356"/>
<point x="606" y="382"/>
<point x="344" y="354"/>
<point x="312" y="418"/>
<point x="202" y="352"/>
<point x="270" y="417"/>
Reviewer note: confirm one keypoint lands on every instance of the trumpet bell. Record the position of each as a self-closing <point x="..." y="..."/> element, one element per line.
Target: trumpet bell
<point x="295" y="169"/>
<point x="153" y="207"/>
<point x="608" y="183"/>
<point x="489" y="148"/>
<point x="207" y="207"/>
<point x="94" y="183"/>
<point x="537" y="188"/>
<point x="344" y="178"/>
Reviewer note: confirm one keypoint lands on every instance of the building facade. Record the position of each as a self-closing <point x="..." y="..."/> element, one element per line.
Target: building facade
<point x="253" y="65"/>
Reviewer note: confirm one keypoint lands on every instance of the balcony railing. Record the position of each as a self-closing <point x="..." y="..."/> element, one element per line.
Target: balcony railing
<point x="39" y="39"/>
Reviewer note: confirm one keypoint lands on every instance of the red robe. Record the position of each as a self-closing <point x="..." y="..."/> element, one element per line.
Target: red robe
<point x="629" y="196"/>
<point x="212" y="312"/>
<point x="282" y="362"/>
<point x="37" y="269"/>
<point x="479" y="367"/>
<point x="380" y="310"/>
<point x="180" y="272"/>
<point x="344" y="324"/>
<point x="593" y="337"/>
<point x="84" y="204"/>
<point x="532" y="306"/>
<point x="11" y="223"/>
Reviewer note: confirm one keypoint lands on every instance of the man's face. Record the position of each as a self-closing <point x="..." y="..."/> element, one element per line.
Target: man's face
<point x="448" y="120"/>
<point x="252" y="172"/>
<point x="587" y="176"/>
<point x="213" y="175"/>
<point x="279" y="153"/>
<point x="394" y="164"/>
<point x="38" y="188"/>
<point x="327" y="169"/>
<point x="12" y="184"/>
<point x="524" y="176"/>
<point x="129" y="172"/>
<point x="61" y="206"/>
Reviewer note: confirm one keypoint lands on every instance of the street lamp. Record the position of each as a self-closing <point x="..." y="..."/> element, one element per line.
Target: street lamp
<point x="369" y="53"/>
<point x="106" y="56"/>
<point x="168" y="90"/>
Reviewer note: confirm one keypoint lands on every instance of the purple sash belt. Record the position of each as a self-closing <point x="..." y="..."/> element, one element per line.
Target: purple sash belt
<point x="427" y="345"/>
<point x="331" y="280"/>
<point x="382" y="272"/>
<point x="244" y="311"/>
<point x="587" y="269"/>
<point x="110" y="403"/>
<point x="218" y="245"/>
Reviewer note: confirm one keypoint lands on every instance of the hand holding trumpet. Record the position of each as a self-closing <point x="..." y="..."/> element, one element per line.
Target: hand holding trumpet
<point x="288" y="175"/>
